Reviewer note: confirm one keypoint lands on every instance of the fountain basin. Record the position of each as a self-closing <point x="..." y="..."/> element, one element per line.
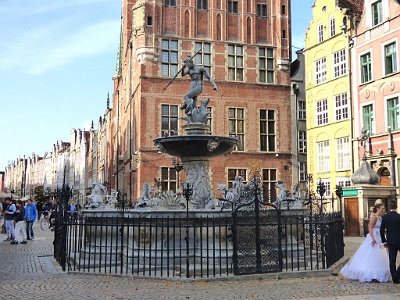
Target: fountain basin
<point x="205" y="146"/>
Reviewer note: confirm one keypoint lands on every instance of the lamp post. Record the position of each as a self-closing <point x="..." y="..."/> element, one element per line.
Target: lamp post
<point x="321" y="189"/>
<point x="339" y="194"/>
<point x="178" y="166"/>
<point x="187" y="192"/>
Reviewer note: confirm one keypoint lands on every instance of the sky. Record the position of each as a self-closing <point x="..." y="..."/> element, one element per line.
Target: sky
<point x="57" y="60"/>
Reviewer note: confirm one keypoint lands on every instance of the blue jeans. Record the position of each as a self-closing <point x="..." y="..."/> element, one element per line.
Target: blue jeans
<point x="29" y="230"/>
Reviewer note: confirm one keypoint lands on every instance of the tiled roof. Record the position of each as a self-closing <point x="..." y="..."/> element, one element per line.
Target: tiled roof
<point x="355" y="6"/>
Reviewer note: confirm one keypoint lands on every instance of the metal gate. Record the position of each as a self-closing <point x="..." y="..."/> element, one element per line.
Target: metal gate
<point x="257" y="235"/>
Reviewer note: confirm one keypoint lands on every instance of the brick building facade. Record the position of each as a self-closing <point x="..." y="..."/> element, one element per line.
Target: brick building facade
<point x="246" y="49"/>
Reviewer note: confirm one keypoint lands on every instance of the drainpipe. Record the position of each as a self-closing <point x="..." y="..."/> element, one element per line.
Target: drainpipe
<point x="392" y="160"/>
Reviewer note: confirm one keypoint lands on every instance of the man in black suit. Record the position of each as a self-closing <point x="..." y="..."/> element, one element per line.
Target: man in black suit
<point x="391" y="223"/>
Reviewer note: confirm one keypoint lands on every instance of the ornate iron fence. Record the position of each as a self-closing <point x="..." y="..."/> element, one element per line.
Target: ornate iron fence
<point x="250" y="237"/>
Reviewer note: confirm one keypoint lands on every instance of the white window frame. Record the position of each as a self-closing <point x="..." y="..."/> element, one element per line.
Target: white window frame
<point x="204" y="58"/>
<point x="236" y="62"/>
<point x="341" y="107"/>
<point x="322" y="111"/>
<point x="332" y="28"/>
<point x="387" y="43"/>
<point x="302" y="171"/>
<point x="323" y="157"/>
<point x="368" y="51"/>
<point x="327" y="183"/>
<point x="320" y="32"/>
<point x="373" y="130"/>
<point x="342" y="147"/>
<point x="339" y="62"/>
<point x="302" y="110"/>
<point x="302" y="141"/>
<point x="321" y="74"/>
<point x="386" y="100"/>
<point x="343" y="181"/>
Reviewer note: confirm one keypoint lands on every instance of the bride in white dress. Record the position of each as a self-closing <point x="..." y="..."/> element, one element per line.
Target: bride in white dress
<point x="371" y="261"/>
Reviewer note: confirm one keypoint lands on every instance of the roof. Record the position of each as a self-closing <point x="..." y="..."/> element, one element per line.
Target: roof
<point x="355" y="7"/>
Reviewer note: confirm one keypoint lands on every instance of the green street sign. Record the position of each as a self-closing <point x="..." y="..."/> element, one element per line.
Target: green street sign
<point x="349" y="193"/>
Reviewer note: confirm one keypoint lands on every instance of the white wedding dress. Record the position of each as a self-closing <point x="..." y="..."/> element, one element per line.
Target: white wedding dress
<point x="369" y="263"/>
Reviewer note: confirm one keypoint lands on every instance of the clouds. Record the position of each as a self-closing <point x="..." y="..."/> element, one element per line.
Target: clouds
<point x="43" y="36"/>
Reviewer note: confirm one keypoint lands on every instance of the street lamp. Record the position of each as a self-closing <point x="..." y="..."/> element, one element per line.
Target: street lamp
<point x="321" y="189"/>
<point x="178" y="166"/>
<point x="339" y="193"/>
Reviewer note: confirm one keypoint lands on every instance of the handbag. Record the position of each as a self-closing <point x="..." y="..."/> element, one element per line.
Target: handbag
<point x="3" y="229"/>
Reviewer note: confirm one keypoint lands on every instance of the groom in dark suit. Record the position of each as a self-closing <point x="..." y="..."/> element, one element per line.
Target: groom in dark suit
<point x="391" y="223"/>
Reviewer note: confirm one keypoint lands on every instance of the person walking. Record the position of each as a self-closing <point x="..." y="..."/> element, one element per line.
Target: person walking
<point x="72" y="211"/>
<point x="369" y="263"/>
<point x="391" y="224"/>
<point x="19" y="222"/>
<point x="39" y="209"/>
<point x="30" y="217"/>
<point x="9" y="216"/>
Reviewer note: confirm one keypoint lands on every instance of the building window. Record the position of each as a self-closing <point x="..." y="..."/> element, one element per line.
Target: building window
<point x="232" y="173"/>
<point x="320" y="71"/>
<point x="322" y="112"/>
<point x="366" y="71"/>
<point x="169" y="179"/>
<point x="390" y="59"/>
<point x="327" y="183"/>
<point x="170" y="2"/>
<point x="368" y="118"/>
<point x="376" y="9"/>
<point x="302" y="142"/>
<point x="267" y="130"/>
<point x="235" y="63"/>
<point x="269" y="180"/>
<point x="341" y="107"/>
<point x="302" y="110"/>
<point x="393" y="113"/>
<point x="320" y="33"/>
<point x="302" y="171"/>
<point x="323" y="157"/>
<point x="232" y="7"/>
<point x="343" y="181"/>
<point x="236" y="126"/>
<point x="339" y="63"/>
<point x="169" y="119"/>
<point x="202" y="4"/>
<point x="204" y="57"/>
<point x="266" y="65"/>
<point x="332" y="29"/>
<point x="261" y="10"/>
<point x="169" y="58"/>
<point x="343" y="154"/>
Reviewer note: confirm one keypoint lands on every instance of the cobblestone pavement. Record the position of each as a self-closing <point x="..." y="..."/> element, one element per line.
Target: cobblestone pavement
<point x="30" y="272"/>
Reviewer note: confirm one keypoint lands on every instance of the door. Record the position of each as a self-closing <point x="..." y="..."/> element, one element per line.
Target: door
<point x="351" y="217"/>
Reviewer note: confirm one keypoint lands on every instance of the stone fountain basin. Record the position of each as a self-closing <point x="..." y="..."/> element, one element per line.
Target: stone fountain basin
<point x="196" y="145"/>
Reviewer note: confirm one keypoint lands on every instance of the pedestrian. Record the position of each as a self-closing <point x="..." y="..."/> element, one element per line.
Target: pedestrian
<point x="72" y="211"/>
<point x="391" y="223"/>
<point x="369" y="263"/>
<point x="39" y="209"/>
<point x="30" y="217"/>
<point x="19" y="222"/>
<point x="10" y="210"/>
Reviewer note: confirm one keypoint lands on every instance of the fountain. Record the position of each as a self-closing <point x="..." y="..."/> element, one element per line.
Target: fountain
<point x="201" y="232"/>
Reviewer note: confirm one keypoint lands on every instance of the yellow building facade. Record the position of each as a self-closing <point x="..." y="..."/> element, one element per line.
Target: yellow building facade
<point x="328" y="98"/>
